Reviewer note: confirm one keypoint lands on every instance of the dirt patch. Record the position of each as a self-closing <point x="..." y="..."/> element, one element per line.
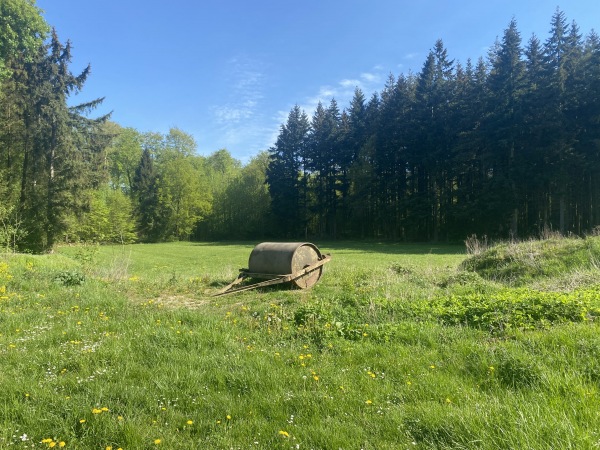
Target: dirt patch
<point x="181" y="301"/>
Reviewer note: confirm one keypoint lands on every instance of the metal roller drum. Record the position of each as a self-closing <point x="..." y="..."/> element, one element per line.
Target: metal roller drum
<point x="272" y="259"/>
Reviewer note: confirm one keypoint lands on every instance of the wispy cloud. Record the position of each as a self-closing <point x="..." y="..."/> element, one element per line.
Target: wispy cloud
<point x="245" y="92"/>
<point x="239" y="119"/>
<point x="370" y="77"/>
<point x="343" y="91"/>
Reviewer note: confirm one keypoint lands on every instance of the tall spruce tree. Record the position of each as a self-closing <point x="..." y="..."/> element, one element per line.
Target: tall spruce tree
<point x="55" y="167"/>
<point x="286" y="164"/>
<point x="433" y="138"/>
<point x="144" y="190"/>
<point x="534" y="119"/>
<point x="504" y="122"/>
<point x="589" y="137"/>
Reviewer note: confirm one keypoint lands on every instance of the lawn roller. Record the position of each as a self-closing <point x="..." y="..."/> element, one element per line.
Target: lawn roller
<point x="297" y="263"/>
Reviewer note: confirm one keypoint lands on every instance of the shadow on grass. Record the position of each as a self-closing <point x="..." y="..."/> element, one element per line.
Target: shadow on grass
<point x="391" y="247"/>
<point x="218" y="285"/>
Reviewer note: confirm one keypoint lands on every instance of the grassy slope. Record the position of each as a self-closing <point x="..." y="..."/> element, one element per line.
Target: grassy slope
<point x="360" y="361"/>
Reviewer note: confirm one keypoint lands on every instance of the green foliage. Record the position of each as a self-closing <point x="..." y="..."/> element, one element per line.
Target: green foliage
<point x="109" y="218"/>
<point x="124" y="156"/>
<point x="241" y="205"/>
<point x="53" y="148"/>
<point x="516" y="308"/>
<point x="520" y="262"/>
<point x="11" y="229"/>
<point x="22" y="30"/>
<point x="69" y="278"/>
<point x="183" y="196"/>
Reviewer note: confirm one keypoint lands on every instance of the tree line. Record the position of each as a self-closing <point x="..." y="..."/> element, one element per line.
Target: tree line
<point x="508" y="146"/>
<point x="69" y="177"/>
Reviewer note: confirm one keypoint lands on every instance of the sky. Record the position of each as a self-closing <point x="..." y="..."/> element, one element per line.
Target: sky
<point x="229" y="71"/>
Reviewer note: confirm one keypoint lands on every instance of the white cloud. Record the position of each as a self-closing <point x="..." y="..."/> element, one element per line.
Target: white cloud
<point x="370" y="77"/>
<point x="350" y="83"/>
<point x="246" y="87"/>
<point x="343" y="91"/>
<point x="229" y="114"/>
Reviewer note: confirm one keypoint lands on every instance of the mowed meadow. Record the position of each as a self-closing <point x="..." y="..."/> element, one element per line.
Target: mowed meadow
<point x="398" y="346"/>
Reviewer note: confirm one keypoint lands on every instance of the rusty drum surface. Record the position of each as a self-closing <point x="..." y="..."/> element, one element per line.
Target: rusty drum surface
<point x="270" y="259"/>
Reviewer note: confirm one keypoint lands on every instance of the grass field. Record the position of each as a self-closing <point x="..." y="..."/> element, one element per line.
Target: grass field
<point x="398" y="346"/>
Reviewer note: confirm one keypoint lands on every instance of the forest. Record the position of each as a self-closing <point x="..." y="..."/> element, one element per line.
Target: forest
<point x="507" y="146"/>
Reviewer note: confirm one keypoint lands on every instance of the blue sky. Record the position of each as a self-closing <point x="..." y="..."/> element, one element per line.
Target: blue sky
<point x="229" y="71"/>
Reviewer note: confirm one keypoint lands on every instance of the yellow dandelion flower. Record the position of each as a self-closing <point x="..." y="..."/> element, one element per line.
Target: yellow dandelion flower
<point x="316" y="377"/>
<point x="109" y="447"/>
<point x="284" y="433"/>
<point x="46" y="441"/>
<point x="81" y="420"/>
<point x="96" y="411"/>
<point x="369" y="402"/>
<point x="104" y="408"/>
<point x="190" y="422"/>
<point x="157" y="441"/>
<point x="228" y="417"/>
<point x="52" y="444"/>
<point x="61" y="444"/>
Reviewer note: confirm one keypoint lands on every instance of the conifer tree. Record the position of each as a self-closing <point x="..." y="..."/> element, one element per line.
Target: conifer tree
<point x="503" y="124"/>
<point x="286" y="164"/>
<point x="145" y="193"/>
<point x="58" y="144"/>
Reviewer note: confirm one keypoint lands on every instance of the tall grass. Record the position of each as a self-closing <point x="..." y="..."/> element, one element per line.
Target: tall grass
<point x="123" y="347"/>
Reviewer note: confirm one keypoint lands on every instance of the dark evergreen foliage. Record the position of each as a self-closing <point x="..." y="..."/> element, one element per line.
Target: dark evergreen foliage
<point x="288" y="189"/>
<point x="50" y="150"/>
<point x="144" y="190"/>
<point x="509" y="147"/>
